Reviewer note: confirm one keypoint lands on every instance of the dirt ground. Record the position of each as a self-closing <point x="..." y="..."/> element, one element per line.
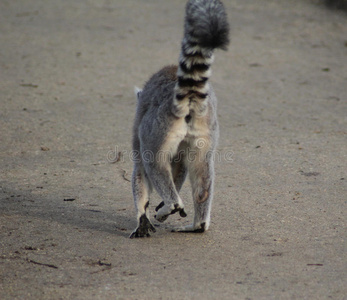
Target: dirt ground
<point x="278" y="226"/>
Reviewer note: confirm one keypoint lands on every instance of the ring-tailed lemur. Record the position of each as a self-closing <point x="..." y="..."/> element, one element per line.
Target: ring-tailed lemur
<point x="176" y="129"/>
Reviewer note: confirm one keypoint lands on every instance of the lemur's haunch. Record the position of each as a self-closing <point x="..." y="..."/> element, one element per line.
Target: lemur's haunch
<point x="176" y="130"/>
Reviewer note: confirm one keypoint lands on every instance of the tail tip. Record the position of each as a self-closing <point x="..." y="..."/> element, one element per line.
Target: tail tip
<point x="207" y="22"/>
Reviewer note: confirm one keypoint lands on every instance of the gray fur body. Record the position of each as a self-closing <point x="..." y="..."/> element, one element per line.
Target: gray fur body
<point x="176" y="130"/>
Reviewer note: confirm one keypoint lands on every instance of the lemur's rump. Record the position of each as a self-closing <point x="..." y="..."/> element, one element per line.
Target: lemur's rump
<point x="176" y="129"/>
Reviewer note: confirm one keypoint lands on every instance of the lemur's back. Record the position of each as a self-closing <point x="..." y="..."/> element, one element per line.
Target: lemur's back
<point x="176" y="114"/>
<point x="159" y="90"/>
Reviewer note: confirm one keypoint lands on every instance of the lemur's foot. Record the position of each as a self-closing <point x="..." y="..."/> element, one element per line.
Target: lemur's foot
<point x="166" y="210"/>
<point x="200" y="228"/>
<point x="143" y="229"/>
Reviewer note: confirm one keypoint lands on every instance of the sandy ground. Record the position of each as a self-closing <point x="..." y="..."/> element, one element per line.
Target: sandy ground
<point x="67" y="71"/>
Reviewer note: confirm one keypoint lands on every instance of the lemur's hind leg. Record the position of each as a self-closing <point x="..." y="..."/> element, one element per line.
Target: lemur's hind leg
<point x="161" y="177"/>
<point x="201" y="173"/>
<point x="141" y="191"/>
<point x="179" y="173"/>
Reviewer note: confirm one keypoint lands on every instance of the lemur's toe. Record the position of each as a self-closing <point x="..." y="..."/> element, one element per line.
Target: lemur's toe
<point x="161" y="204"/>
<point x="143" y="229"/>
<point x="183" y="213"/>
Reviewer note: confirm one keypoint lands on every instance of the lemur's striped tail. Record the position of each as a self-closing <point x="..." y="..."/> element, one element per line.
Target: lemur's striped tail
<point x="206" y="28"/>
